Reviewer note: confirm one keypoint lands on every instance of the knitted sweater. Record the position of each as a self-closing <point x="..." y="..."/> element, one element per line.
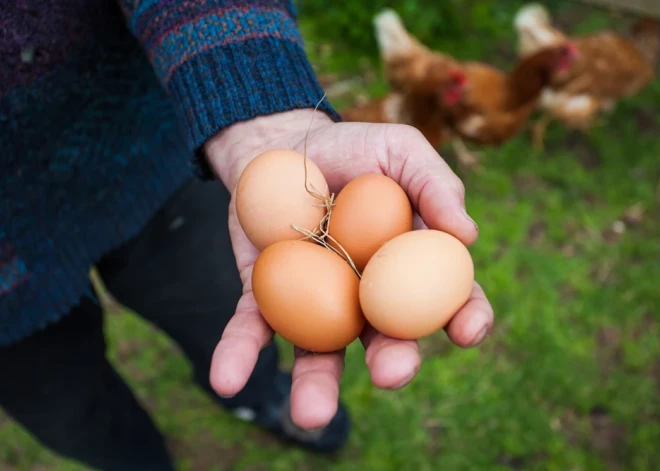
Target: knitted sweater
<point x="103" y="105"/>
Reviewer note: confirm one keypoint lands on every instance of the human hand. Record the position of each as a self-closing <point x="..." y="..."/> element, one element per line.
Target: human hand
<point x="342" y="151"/>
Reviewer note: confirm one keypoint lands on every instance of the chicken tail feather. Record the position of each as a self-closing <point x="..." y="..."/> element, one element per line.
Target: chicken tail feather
<point x="535" y="31"/>
<point x="532" y="16"/>
<point x="392" y="36"/>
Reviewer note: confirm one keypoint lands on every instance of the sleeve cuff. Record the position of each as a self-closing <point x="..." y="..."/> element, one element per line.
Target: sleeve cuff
<point x="238" y="82"/>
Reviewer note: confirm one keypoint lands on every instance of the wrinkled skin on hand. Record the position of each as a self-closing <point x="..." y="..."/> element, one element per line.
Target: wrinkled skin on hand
<point x="342" y="151"/>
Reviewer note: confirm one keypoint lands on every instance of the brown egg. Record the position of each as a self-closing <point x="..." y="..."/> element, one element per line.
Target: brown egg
<point x="369" y="211"/>
<point x="415" y="283"/>
<point x="271" y="197"/>
<point x="308" y="295"/>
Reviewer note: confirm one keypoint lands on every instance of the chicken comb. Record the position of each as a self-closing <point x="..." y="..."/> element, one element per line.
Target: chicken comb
<point x="458" y="77"/>
<point x="571" y="47"/>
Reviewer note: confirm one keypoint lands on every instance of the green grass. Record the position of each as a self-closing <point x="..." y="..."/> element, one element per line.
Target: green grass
<point x="570" y="377"/>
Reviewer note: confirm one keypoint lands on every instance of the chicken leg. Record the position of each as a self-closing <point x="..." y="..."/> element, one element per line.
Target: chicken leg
<point x="538" y="130"/>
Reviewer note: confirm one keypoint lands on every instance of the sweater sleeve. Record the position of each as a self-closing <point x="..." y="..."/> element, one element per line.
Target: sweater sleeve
<point x="224" y="61"/>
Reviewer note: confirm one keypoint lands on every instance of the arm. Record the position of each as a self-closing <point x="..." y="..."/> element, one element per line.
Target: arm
<point x="242" y="84"/>
<point x="225" y="61"/>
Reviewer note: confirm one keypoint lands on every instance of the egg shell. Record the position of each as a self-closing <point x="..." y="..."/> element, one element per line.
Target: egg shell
<point x="271" y="197"/>
<point x="308" y="295"/>
<point x="415" y="283"/>
<point x="369" y="211"/>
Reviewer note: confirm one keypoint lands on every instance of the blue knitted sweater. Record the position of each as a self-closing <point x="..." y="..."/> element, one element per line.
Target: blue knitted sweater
<point x="103" y="105"/>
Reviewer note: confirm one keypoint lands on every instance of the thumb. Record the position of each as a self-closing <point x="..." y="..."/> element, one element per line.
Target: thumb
<point x="435" y="191"/>
<point x="237" y="353"/>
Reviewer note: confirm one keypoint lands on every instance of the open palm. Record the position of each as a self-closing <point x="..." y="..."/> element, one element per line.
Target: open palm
<point x="342" y="151"/>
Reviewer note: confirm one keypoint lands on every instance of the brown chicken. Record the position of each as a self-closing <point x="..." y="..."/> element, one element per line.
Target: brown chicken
<point x="418" y="105"/>
<point x="406" y="61"/>
<point x="496" y="105"/>
<point x="609" y="67"/>
<point x="448" y="99"/>
<point x="420" y="80"/>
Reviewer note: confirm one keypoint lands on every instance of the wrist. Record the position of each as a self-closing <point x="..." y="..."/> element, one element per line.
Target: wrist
<point x="230" y="150"/>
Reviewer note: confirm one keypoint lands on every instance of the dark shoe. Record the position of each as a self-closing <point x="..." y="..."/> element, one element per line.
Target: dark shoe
<point x="275" y="416"/>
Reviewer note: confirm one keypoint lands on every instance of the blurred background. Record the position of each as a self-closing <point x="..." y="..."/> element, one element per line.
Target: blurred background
<point x="569" y="254"/>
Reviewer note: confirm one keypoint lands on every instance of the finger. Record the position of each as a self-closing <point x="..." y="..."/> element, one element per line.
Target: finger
<point x="433" y="188"/>
<point x="418" y="223"/>
<point x="315" y="388"/>
<point x="237" y="352"/>
<point x="392" y="363"/>
<point x="471" y="325"/>
<point x="402" y="153"/>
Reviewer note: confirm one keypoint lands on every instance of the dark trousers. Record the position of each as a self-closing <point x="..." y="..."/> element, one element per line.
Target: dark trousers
<point x="179" y="273"/>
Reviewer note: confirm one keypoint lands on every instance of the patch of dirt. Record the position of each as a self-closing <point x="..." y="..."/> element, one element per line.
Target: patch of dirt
<point x="498" y="349"/>
<point x="577" y="236"/>
<point x="592" y="198"/>
<point x="568" y="250"/>
<point x="645" y="119"/>
<point x="608" y="349"/>
<point x="536" y="233"/>
<point x="574" y="235"/>
<point x="526" y="183"/>
<point x="647" y="324"/>
<point x="518" y="461"/>
<point x="502" y="247"/>
<point x="603" y="436"/>
<point x="13" y="458"/>
<point x="634" y="215"/>
<point x="631" y="218"/>
<point x="607" y="438"/>
<point x="609" y="353"/>
<point x="567" y="291"/>
<point x="523" y="273"/>
<point x="603" y="272"/>
<point x="205" y="452"/>
<point x="126" y="351"/>
<point x="265" y="439"/>
<point x="567" y="424"/>
<point x="613" y="232"/>
<point x="436" y="431"/>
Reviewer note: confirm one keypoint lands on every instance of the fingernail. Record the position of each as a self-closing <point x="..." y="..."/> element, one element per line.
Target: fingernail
<point x="467" y="216"/>
<point x="481" y="335"/>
